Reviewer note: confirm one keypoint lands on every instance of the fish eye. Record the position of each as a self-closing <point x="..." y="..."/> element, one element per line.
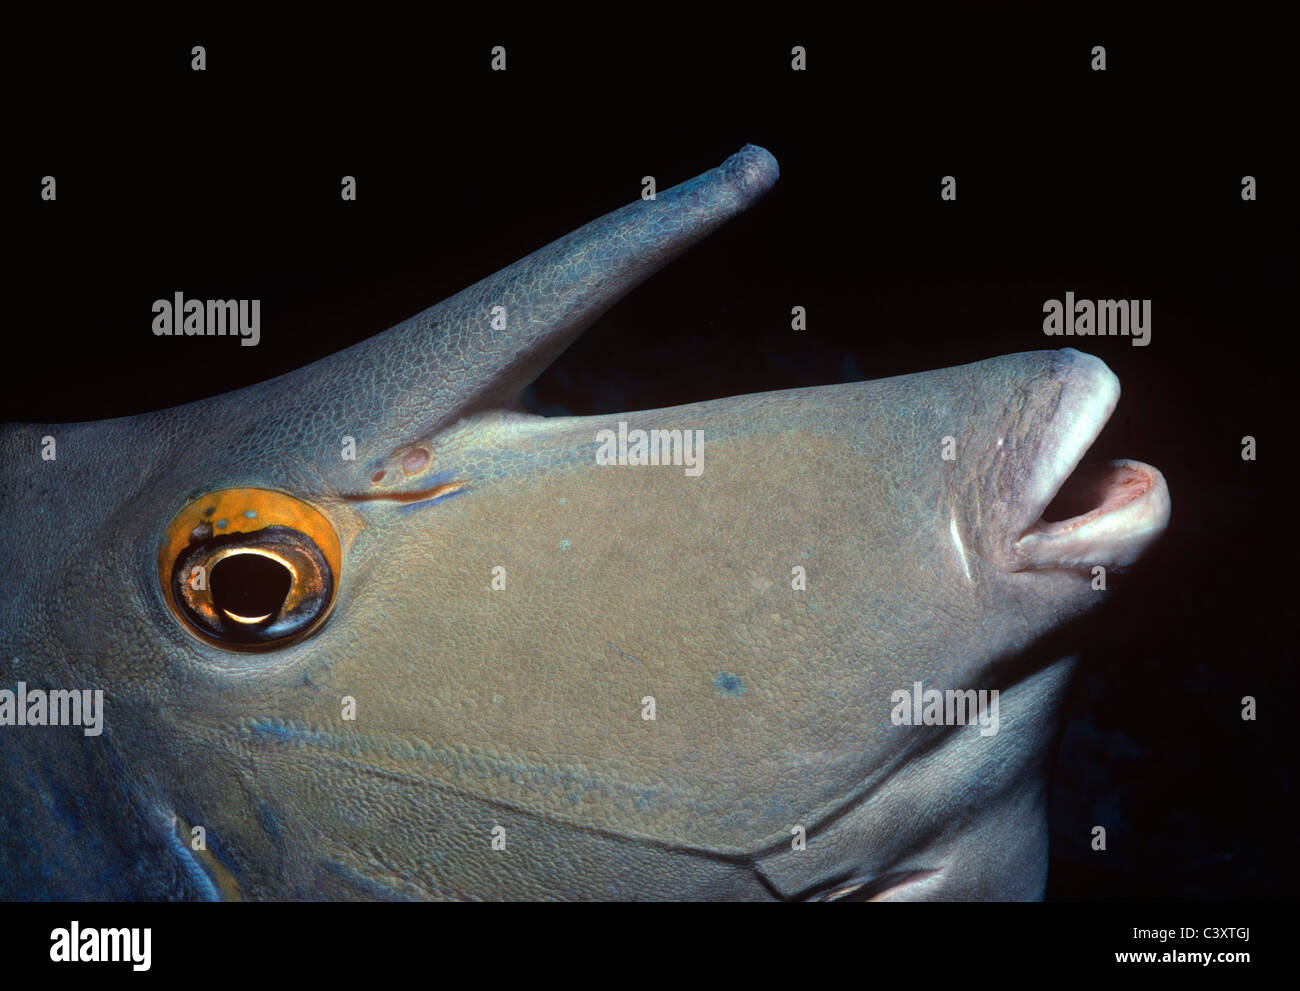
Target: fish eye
<point x="249" y="569"/>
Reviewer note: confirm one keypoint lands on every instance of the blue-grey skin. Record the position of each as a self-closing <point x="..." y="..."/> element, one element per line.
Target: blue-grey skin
<point x="522" y="708"/>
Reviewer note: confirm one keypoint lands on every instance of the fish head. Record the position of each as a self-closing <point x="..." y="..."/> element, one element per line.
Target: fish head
<point x="492" y="664"/>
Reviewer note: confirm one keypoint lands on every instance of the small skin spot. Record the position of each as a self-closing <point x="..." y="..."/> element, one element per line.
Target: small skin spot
<point x="209" y="511"/>
<point x="250" y="514"/>
<point x="221" y="523"/>
<point x="415" y="461"/>
<point x="377" y="477"/>
<point x="728" y="684"/>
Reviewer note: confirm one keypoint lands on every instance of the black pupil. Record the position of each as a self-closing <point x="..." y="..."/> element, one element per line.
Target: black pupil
<point x="249" y="585"/>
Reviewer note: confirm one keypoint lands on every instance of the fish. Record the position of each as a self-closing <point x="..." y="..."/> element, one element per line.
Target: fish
<point x="371" y="630"/>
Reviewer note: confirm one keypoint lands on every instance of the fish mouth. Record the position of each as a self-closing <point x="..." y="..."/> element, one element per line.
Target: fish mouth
<point x="1082" y="514"/>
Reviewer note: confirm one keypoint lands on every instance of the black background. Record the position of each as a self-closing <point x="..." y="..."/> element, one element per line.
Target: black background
<point x="1124" y="183"/>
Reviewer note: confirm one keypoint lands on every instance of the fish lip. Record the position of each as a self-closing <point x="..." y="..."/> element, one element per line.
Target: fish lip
<point x="1089" y="396"/>
<point x="1134" y="506"/>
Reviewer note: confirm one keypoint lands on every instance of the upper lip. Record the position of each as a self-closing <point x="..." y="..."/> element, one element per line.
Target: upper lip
<point x="1088" y="398"/>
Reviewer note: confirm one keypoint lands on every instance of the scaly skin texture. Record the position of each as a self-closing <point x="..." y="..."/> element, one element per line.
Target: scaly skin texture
<point x="522" y="708"/>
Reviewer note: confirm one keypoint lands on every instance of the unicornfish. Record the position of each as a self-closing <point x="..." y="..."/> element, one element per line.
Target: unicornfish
<point x="370" y="630"/>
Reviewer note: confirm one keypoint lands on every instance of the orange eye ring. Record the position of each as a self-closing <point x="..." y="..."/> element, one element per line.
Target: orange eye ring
<point x="249" y="569"/>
